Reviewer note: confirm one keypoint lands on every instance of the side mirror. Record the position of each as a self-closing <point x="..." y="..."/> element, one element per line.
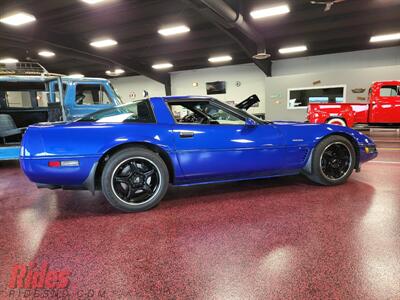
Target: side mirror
<point x="250" y="122"/>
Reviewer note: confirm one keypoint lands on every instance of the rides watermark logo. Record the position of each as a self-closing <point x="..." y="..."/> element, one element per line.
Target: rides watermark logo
<point x="34" y="279"/>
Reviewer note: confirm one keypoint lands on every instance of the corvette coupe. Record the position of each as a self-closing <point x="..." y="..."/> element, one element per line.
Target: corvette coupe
<point x="134" y="151"/>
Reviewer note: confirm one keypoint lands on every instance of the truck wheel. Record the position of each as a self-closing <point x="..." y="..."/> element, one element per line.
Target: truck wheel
<point x="337" y="121"/>
<point x="333" y="161"/>
<point x="135" y="179"/>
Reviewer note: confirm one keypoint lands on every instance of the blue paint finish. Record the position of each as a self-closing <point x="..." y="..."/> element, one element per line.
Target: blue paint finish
<point x="214" y="152"/>
<point x="9" y="153"/>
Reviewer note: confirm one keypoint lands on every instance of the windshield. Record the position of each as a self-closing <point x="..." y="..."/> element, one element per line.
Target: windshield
<point x="244" y="113"/>
<point x="136" y="112"/>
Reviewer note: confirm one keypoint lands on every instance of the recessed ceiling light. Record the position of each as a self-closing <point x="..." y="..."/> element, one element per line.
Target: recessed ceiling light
<point x="293" y="49"/>
<point x="92" y="1"/>
<point x="76" y="75"/>
<point x="103" y="43"/>
<point x="18" y="19"/>
<point x="385" y="37"/>
<point x="220" y="59"/>
<point x="46" y="53"/>
<point x="270" y="11"/>
<point x="116" y="72"/>
<point x="174" y="30"/>
<point x="162" y="66"/>
<point x="8" y="60"/>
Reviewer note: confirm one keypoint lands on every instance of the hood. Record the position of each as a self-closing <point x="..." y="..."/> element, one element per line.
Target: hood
<point x="249" y="102"/>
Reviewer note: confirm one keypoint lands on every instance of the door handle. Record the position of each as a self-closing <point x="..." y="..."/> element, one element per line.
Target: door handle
<point x="186" y="134"/>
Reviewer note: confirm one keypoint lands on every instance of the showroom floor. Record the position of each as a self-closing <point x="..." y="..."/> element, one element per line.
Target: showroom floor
<point x="277" y="239"/>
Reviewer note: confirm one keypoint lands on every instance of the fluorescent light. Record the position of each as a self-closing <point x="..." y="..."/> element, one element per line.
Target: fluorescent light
<point x="76" y="75"/>
<point x="103" y="43"/>
<point x="8" y="60"/>
<point x="116" y="72"/>
<point x="270" y="11"/>
<point x="92" y="1"/>
<point x="18" y="19"/>
<point x="293" y="49"/>
<point x="162" y="66"/>
<point x="46" y="53"/>
<point x="219" y="59"/>
<point x="385" y="37"/>
<point x="174" y="30"/>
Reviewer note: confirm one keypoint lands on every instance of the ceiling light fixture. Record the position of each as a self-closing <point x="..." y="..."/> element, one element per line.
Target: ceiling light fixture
<point x="103" y="43"/>
<point x="8" y="60"/>
<point x="220" y="59"/>
<point x="18" y="19"/>
<point x="116" y="72"/>
<point x="174" y="30"/>
<point x="293" y="49"/>
<point x="46" y="53"/>
<point x="76" y="75"/>
<point x="92" y="1"/>
<point x="270" y="11"/>
<point x="162" y="66"/>
<point x="385" y="37"/>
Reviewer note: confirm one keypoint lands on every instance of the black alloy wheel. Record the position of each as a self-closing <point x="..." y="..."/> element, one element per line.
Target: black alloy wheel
<point x="335" y="161"/>
<point x="135" y="179"/>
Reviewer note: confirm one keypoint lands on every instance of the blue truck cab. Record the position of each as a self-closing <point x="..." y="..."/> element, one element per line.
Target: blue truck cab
<point x="29" y="95"/>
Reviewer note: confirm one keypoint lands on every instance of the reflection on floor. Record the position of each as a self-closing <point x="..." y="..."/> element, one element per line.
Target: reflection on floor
<point x="266" y="239"/>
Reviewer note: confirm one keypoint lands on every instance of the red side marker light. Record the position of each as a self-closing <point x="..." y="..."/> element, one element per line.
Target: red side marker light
<point x="54" y="164"/>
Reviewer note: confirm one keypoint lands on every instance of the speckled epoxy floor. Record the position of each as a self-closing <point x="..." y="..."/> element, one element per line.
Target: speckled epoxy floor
<point x="265" y="239"/>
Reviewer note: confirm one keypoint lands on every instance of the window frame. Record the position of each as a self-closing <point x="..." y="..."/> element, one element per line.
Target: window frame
<point x="344" y="86"/>
<point x="213" y="101"/>
<point x="103" y="88"/>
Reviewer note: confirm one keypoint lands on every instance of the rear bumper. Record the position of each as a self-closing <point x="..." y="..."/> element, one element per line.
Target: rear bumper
<point x="38" y="171"/>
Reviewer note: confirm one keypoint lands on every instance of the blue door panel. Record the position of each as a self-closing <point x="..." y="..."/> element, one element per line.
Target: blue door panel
<point x="229" y="150"/>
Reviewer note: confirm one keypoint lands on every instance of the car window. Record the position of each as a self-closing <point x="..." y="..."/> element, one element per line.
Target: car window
<point x="389" y="91"/>
<point x="23" y="94"/>
<point x="136" y="112"/>
<point x="91" y="94"/>
<point x="203" y="112"/>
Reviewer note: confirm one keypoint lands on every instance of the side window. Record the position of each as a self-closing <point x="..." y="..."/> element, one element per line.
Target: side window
<point x="136" y="112"/>
<point x="23" y="95"/>
<point x="91" y="94"/>
<point x="389" y="91"/>
<point x="203" y="112"/>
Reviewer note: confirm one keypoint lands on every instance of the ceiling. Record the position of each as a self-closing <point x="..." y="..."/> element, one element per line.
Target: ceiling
<point x="67" y="27"/>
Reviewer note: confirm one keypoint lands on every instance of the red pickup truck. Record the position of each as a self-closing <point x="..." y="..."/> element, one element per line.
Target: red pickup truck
<point x="383" y="108"/>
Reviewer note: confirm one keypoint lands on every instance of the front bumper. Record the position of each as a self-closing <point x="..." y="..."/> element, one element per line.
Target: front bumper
<point x="368" y="152"/>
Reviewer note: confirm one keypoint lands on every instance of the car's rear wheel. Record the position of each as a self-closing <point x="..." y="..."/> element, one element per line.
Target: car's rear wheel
<point x="337" y="121"/>
<point x="135" y="179"/>
<point x="333" y="161"/>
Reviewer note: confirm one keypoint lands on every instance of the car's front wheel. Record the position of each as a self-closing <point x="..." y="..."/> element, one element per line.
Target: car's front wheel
<point x="333" y="161"/>
<point x="135" y="179"/>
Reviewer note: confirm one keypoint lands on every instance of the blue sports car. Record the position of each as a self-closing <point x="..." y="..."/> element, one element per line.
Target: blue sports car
<point x="133" y="152"/>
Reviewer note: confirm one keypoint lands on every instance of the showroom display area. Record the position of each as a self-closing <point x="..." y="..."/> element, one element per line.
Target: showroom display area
<point x="199" y="149"/>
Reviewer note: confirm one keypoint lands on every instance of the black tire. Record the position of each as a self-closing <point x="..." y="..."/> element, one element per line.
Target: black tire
<point x="125" y="179"/>
<point x="333" y="161"/>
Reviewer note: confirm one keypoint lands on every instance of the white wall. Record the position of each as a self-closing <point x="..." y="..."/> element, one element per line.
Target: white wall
<point x="241" y="82"/>
<point x="353" y="69"/>
<point x="135" y="85"/>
